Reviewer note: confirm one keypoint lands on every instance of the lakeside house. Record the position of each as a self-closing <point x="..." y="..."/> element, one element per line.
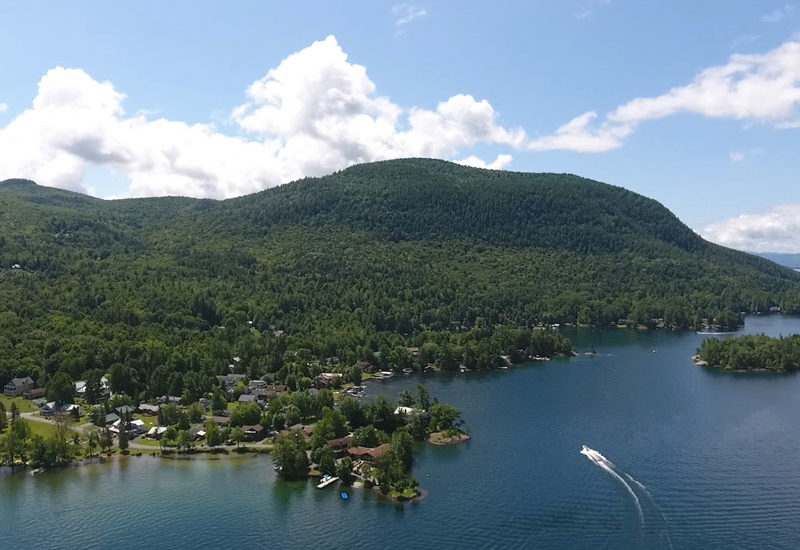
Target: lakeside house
<point x="139" y="426"/>
<point x="340" y="445"/>
<point x="368" y="454"/>
<point x="18" y="386"/>
<point x="254" y="433"/>
<point x="156" y="432"/>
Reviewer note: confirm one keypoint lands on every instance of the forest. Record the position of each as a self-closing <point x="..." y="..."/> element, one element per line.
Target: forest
<point x="752" y="353"/>
<point x="462" y="264"/>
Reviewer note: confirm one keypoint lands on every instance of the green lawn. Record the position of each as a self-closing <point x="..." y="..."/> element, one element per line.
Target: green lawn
<point x="42" y="429"/>
<point x="24" y="405"/>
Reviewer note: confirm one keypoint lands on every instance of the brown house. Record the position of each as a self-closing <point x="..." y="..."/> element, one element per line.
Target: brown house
<point x="340" y="445"/>
<point x="368" y="454"/>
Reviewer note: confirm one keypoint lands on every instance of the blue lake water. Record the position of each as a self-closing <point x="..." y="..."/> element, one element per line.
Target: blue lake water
<point x="710" y="457"/>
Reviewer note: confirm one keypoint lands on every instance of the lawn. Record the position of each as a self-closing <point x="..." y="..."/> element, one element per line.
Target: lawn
<point x="24" y="405"/>
<point x="42" y="429"/>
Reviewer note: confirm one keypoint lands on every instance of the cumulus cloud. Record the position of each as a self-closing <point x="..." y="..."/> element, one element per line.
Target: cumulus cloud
<point x="776" y="16"/>
<point x="500" y="163"/>
<point x="3" y="107"/>
<point x="735" y="91"/>
<point x="312" y="114"/>
<point x="406" y="13"/>
<point x="777" y="230"/>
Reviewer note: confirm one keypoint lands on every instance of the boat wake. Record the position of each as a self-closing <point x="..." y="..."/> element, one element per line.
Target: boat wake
<point x="599" y="460"/>
<point x="609" y="467"/>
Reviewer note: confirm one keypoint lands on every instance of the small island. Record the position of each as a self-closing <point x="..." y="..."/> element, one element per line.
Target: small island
<point x="751" y="353"/>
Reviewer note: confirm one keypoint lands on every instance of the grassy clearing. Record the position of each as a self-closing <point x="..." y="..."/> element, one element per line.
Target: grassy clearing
<point x="24" y="405"/>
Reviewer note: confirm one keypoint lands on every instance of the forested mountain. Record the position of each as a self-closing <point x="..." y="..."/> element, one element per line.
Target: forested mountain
<point x="356" y="265"/>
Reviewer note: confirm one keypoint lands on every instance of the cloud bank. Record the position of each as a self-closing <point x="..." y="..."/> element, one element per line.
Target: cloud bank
<point x="316" y="112"/>
<point x="312" y="114"/>
<point x="777" y="230"/>
<point x="762" y="88"/>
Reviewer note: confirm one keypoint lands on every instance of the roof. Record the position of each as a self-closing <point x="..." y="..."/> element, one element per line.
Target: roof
<point x="221" y="419"/>
<point x="247" y="398"/>
<point x="340" y="442"/>
<point x="406" y="410"/>
<point x="374" y="452"/>
<point x="111" y="417"/>
<point x="21" y="381"/>
<point x="254" y="428"/>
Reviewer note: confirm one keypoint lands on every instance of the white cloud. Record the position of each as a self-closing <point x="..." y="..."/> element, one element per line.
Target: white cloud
<point x="740" y="156"/>
<point x="312" y="114"/>
<point x="500" y="163"/>
<point x="3" y="107"/>
<point x="777" y="230"/>
<point x="406" y="13"/>
<point x="776" y="16"/>
<point x="736" y="91"/>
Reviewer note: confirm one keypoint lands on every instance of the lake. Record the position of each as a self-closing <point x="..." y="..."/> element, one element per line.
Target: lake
<point x="703" y="459"/>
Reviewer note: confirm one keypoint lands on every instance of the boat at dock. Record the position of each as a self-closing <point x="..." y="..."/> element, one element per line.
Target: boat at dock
<point x="326" y="480"/>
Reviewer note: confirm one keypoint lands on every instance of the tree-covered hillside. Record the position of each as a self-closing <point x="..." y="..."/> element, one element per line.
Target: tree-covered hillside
<point x="356" y="266"/>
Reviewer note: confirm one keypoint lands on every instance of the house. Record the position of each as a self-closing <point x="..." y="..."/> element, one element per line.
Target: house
<point x="368" y="454"/>
<point x="80" y="389"/>
<point x="18" y="386"/>
<point x="35" y="393"/>
<point x="169" y="400"/>
<point x="149" y="410"/>
<point x="274" y="389"/>
<point x="340" y="445"/>
<point x="247" y="398"/>
<point x="156" y="432"/>
<point x="230" y="380"/>
<point x="367" y="367"/>
<point x="49" y="409"/>
<point x="222" y="421"/>
<point x="139" y="426"/>
<point x="205" y="402"/>
<point x="111" y="418"/>
<point x="254" y="432"/>
<point x="257" y="385"/>
<point x="328" y="379"/>
<point x="196" y="433"/>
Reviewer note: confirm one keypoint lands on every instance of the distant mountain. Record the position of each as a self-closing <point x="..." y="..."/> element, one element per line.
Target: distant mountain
<point x="789" y="260"/>
<point x="365" y="260"/>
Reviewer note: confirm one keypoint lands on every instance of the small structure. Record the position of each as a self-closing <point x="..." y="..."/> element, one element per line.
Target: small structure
<point x="35" y="393"/>
<point x="111" y="418"/>
<point x="407" y="411"/>
<point x="18" y="386"/>
<point x="230" y="380"/>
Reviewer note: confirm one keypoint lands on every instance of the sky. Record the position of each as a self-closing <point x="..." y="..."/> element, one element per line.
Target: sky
<point x="694" y="104"/>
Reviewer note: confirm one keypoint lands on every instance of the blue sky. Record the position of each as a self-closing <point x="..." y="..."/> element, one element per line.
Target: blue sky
<point x="694" y="104"/>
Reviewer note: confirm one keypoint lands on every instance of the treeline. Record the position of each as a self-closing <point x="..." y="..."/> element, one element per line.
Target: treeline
<point x="752" y="352"/>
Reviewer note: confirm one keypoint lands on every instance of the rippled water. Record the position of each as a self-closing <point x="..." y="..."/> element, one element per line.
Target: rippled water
<point x="714" y="453"/>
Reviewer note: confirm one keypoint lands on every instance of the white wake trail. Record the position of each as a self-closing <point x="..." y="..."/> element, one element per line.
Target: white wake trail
<point x="601" y="461"/>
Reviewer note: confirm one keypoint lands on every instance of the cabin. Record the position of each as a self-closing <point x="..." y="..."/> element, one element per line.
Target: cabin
<point x="368" y="454"/>
<point x="229" y="381"/>
<point x="222" y="421"/>
<point x="148" y="410"/>
<point x="139" y="426"/>
<point x="254" y="433"/>
<point x="18" y="386"/>
<point x="340" y="445"/>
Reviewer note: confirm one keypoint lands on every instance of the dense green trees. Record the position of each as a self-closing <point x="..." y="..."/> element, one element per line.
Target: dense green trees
<point x="160" y="294"/>
<point x="60" y="388"/>
<point x="290" y="455"/>
<point x="752" y="352"/>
